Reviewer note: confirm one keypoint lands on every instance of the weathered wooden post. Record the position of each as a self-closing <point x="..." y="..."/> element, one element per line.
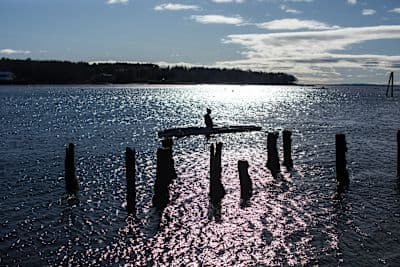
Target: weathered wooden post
<point x="164" y="176"/>
<point x="217" y="190"/>
<point x="246" y="187"/>
<point x="71" y="181"/>
<point x="287" y="149"/>
<point x="167" y="142"/>
<point x="398" y="153"/>
<point x="130" y="165"/>
<point x="342" y="174"/>
<point x="273" y="157"/>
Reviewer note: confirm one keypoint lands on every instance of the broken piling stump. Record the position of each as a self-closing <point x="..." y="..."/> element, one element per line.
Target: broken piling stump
<point x="273" y="158"/>
<point x="130" y="165"/>
<point x="246" y="187"/>
<point x="71" y="181"/>
<point x="287" y="149"/>
<point x="342" y="175"/>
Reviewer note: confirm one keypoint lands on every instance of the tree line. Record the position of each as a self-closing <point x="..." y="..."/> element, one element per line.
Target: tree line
<point x="64" y="72"/>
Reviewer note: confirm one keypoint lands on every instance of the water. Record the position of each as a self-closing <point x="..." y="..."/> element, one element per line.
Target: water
<point x="295" y="220"/>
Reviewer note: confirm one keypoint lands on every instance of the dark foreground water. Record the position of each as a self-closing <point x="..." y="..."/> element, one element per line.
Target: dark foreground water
<point x="291" y="221"/>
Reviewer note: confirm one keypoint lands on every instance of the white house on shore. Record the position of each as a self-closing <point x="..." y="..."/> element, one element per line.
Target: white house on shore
<point x="6" y="76"/>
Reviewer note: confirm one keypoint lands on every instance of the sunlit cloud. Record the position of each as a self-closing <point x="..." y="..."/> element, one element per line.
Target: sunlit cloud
<point x="395" y="10"/>
<point x="352" y="2"/>
<point x="228" y="1"/>
<point x="312" y="54"/>
<point x="368" y="12"/>
<point x="217" y="19"/>
<point x="290" y="10"/>
<point x="8" y="51"/>
<point x="295" y="24"/>
<point x="175" y="7"/>
<point x="112" y="2"/>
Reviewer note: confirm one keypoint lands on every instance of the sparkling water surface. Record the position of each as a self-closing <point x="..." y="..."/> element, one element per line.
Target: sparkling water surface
<point x="293" y="220"/>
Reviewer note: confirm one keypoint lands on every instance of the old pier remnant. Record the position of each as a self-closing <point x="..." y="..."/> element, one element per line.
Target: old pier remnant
<point x="342" y="175"/>
<point x="246" y="187"/>
<point x="389" y="89"/>
<point x="217" y="190"/>
<point x="273" y="157"/>
<point x="71" y="181"/>
<point x="130" y="164"/>
<point x="287" y="149"/>
<point x="164" y="176"/>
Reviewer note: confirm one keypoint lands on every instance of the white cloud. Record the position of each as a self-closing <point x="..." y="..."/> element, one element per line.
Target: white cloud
<point x="112" y="2"/>
<point x="175" y="7"/>
<point x="228" y="1"/>
<point x="312" y="54"/>
<point x="218" y="19"/>
<point x="295" y="24"/>
<point x="368" y="12"/>
<point x="290" y="10"/>
<point x="8" y="51"/>
<point x="352" y="2"/>
<point x="395" y="10"/>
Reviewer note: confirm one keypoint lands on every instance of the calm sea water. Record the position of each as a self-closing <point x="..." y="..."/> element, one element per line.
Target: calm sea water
<point x="295" y="220"/>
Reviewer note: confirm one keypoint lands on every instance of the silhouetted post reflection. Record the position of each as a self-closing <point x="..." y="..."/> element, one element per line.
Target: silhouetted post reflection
<point x="164" y="175"/>
<point x="398" y="153"/>
<point x="217" y="190"/>
<point x="273" y="157"/>
<point x="246" y="187"/>
<point x="287" y="149"/>
<point x="342" y="174"/>
<point x="130" y="165"/>
<point x="71" y="181"/>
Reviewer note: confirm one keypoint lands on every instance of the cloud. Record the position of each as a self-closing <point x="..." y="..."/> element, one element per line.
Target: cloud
<point x="175" y="7"/>
<point x="112" y="2"/>
<point x="228" y="1"/>
<point x="352" y="2"/>
<point x="312" y="54"/>
<point x="8" y="51"/>
<point x="218" y="19"/>
<point x="290" y="10"/>
<point x="368" y="12"/>
<point x="295" y="24"/>
<point x="395" y="10"/>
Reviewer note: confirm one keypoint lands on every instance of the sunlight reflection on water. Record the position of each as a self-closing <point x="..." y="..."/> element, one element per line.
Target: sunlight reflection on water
<point x="293" y="220"/>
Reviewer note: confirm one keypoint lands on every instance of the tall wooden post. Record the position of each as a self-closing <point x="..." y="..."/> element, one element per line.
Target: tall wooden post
<point x="342" y="174"/>
<point x="273" y="158"/>
<point x="390" y="85"/>
<point x="164" y="176"/>
<point x="130" y="165"/>
<point x="246" y="187"/>
<point x="217" y="190"/>
<point x="287" y="149"/>
<point x="71" y="181"/>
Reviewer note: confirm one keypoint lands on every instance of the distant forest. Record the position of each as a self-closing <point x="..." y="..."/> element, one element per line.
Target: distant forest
<point x="63" y="72"/>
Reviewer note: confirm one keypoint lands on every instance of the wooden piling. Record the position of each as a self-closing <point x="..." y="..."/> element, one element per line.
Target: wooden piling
<point x="246" y="187"/>
<point x="287" y="149"/>
<point x="390" y="85"/>
<point x="273" y="157"/>
<point x="130" y="165"/>
<point x="217" y="190"/>
<point x="71" y="181"/>
<point x="164" y="175"/>
<point x="342" y="174"/>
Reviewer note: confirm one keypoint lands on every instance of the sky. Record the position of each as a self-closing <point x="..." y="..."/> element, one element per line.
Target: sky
<point x="318" y="41"/>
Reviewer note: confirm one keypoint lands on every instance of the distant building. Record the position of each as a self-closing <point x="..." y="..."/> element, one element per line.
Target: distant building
<point x="6" y="76"/>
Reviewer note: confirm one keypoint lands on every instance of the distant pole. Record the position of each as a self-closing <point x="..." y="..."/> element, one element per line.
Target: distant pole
<point x="342" y="174"/>
<point x="398" y="153"/>
<point x="287" y="149"/>
<point x="246" y="187"/>
<point x="71" y="181"/>
<point x="273" y="158"/>
<point x="392" y="75"/>
<point x="130" y="162"/>
<point x="390" y="85"/>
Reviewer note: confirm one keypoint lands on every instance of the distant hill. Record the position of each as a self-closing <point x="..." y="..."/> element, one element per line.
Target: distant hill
<point x="63" y="72"/>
